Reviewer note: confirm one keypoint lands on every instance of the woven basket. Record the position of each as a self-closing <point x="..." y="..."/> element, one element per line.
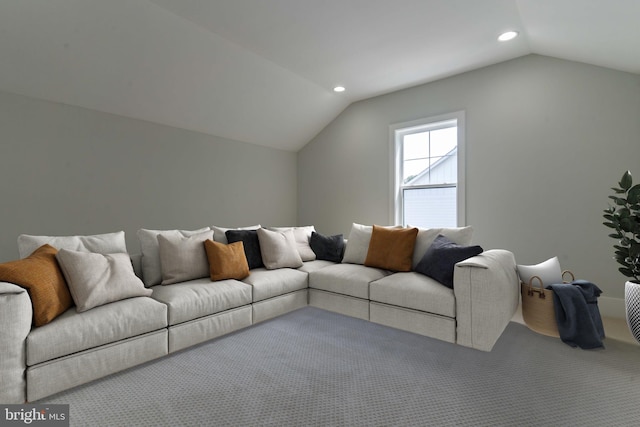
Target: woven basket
<point x="537" y="306"/>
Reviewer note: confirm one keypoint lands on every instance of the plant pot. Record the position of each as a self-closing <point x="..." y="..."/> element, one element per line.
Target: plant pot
<point x="632" y="306"/>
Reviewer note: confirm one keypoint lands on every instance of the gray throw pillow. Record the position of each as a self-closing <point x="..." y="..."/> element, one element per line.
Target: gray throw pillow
<point x="97" y="279"/>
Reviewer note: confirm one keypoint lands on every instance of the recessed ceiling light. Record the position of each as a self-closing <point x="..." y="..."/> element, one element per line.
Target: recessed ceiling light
<point x="339" y="89"/>
<point x="508" y="35"/>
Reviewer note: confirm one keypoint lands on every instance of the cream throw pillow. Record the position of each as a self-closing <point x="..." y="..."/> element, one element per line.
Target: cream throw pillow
<point x="151" y="269"/>
<point x="302" y="236"/>
<point x="183" y="258"/>
<point x="278" y="249"/>
<point x="97" y="279"/>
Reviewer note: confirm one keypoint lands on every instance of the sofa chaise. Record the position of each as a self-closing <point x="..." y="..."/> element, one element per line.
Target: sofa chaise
<point x="171" y="310"/>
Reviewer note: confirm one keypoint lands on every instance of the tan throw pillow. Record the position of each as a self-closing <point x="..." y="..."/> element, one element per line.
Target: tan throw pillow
<point x="226" y="261"/>
<point x="98" y="279"/>
<point x="183" y="258"/>
<point x="391" y="248"/>
<point x="278" y="249"/>
<point x="40" y="274"/>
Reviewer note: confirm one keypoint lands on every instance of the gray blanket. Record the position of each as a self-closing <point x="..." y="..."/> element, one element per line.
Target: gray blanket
<point x="577" y="314"/>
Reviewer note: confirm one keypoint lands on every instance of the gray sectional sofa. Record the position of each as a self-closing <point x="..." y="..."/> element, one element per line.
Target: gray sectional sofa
<point x="78" y="347"/>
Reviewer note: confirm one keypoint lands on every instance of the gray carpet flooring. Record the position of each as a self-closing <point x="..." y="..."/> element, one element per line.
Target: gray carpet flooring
<point x="316" y="368"/>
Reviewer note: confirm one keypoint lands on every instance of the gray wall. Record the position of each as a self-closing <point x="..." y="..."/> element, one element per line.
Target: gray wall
<point x="67" y="170"/>
<point x="545" y="138"/>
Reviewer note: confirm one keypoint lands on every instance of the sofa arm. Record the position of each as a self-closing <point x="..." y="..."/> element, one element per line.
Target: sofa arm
<point x="15" y="317"/>
<point x="487" y="296"/>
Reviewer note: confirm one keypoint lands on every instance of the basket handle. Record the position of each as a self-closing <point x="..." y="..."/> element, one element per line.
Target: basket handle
<point x="573" y="278"/>
<point x="532" y="290"/>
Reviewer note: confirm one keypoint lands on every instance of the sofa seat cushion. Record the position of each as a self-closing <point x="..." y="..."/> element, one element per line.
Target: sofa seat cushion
<point x="72" y="332"/>
<point x="346" y="279"/>
<point x="310" y="266"/>
<point x="416" y="291"/>
<point x="273" y="283"/>
<point x="201" y="297"/>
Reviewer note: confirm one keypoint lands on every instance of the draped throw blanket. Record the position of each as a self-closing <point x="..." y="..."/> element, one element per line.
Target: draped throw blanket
<point x="577" y="313"/>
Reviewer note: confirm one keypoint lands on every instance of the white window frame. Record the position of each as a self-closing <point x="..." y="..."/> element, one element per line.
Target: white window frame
<point x="396" y="132"/>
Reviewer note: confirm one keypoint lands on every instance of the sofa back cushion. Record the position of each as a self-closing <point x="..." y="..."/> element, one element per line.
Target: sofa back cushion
<point x="99" y="243"/>
<point x="220" y="233"/>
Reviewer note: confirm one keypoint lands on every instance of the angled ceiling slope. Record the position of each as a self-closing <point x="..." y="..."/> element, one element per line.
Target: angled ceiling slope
<point x="263" y="71"/>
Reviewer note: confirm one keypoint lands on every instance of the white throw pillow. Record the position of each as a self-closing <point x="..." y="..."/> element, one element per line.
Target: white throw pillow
<point x="302" y="236"/>
<point x="220" y="236"/>
<point x="358" y="244"/>
<point x="426" y="236"/>
<point x="151" y="269"/>
<point x="97" y="279"/>
<point x="99" y="243"/>
<point x="183" y="258"/>
<point x="548" y="271"/>
<point x="278" y="249"/>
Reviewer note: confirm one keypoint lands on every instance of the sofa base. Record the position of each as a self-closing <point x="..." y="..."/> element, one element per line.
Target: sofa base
<point x="419" y="322"/>
<point x="277" y="306"/>
<point x="338" y="303"/>
<point x="206" y="328"/>
<point x="66" y="372"/>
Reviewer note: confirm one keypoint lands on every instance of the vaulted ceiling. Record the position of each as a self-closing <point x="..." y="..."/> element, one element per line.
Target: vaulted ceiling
<point x="262" y="71"/>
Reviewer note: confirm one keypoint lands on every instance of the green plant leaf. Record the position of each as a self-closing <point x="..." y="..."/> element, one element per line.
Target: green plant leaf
<point x="633" y="197"/>
<point x="626" y="182"/>
<point x="626" y="271"/>
<point x="627" y="224"/>
<point x="609" y="224"/>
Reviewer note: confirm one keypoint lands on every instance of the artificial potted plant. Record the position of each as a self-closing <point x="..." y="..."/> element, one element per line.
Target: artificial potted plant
<point x="624" y="218"/>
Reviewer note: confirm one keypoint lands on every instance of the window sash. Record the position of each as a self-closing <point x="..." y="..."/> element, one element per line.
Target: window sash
<point x="397" y="186"/>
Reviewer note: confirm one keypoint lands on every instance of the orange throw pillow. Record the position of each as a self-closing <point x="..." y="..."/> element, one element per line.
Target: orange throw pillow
<point x="391" y="248"/>
<point x="226" y="261"/>
<point x="40" y="274"/>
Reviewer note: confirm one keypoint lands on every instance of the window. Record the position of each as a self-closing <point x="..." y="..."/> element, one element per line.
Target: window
<point x="428" y="172"/>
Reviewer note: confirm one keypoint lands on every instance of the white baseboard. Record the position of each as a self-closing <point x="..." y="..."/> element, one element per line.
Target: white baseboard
<point x="611" y="307"/>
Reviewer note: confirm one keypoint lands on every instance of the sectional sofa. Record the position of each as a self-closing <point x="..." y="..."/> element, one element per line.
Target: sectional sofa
<point x="169" y="302"/>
